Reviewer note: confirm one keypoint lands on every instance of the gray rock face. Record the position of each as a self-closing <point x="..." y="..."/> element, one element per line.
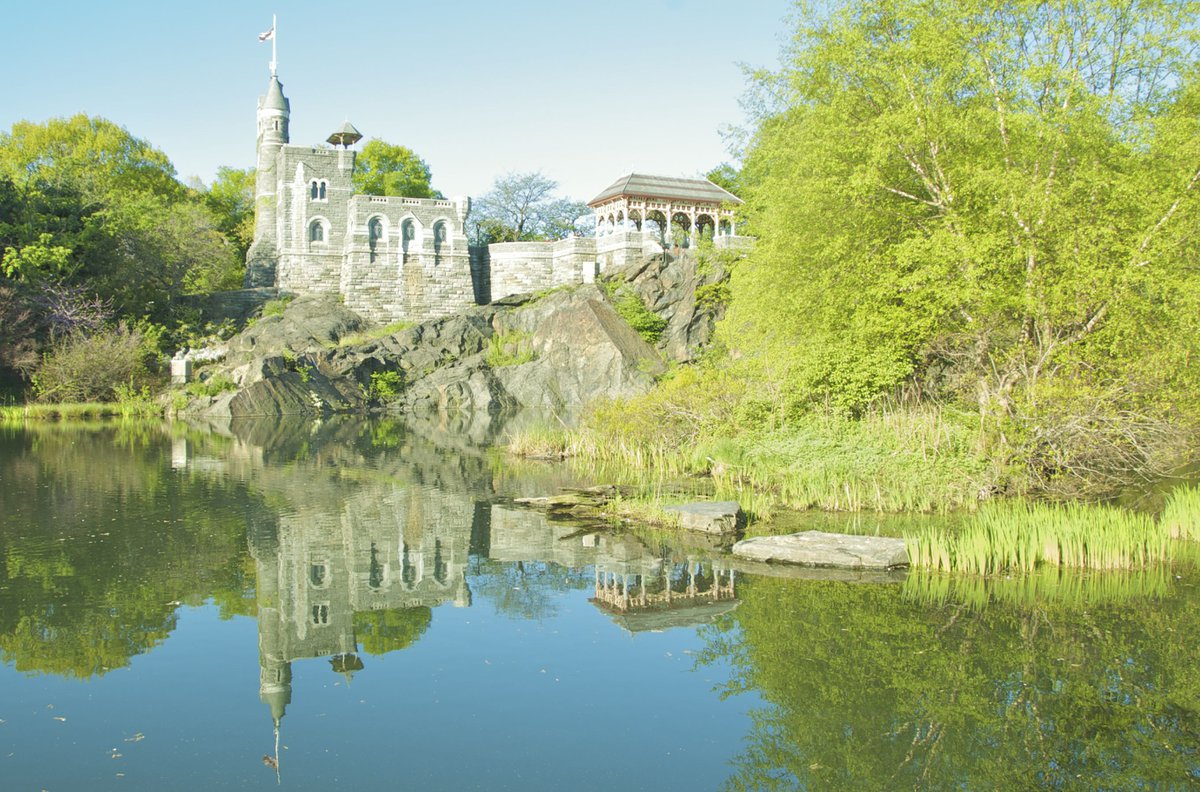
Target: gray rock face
<point x="712" y="517"/>
<point x="581" y="350"/>
<point x="308" y="324"/>
<point x="667" y="285"/>
<point x="820" y="549"/>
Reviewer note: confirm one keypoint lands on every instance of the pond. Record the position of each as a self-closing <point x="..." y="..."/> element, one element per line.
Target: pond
<point x="359" y="603"/>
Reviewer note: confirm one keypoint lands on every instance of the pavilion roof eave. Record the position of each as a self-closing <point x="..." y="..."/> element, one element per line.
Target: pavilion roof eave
<point x="637" y="185"/>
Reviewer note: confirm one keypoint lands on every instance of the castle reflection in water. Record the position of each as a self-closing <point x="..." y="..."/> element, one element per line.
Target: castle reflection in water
<point x="354" y="564"/>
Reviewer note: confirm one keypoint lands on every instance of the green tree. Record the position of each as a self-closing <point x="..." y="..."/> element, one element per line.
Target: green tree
<point x="990" y="202"/>
<point x="100" y="159"/>
<point x="387" y="169"/>
<point x="523" y="207"/>
<point x="230" y="198"/>
<point x="90" y="210"/>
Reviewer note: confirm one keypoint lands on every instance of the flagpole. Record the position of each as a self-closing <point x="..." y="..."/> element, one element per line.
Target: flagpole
<point x="274" y="38"/>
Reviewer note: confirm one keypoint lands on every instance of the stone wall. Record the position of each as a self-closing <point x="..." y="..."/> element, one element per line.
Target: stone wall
<point x="520" y="267"/>
<point x="406" y="258"/>
<point x="238" y="305"/>
<point x="308" y="265"/>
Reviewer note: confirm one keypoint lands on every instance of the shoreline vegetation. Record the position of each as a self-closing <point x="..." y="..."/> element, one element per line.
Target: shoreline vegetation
<point x="69" y="411"/>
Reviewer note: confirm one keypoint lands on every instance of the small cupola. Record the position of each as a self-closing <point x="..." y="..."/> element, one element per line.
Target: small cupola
<point x="346" y="136"/>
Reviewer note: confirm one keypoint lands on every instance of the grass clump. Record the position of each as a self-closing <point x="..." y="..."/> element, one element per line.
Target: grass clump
<point x="706" y="423"/>
<point x="540" y="442"/>
<point x="276" y="307"/>
<point x="1019" y="537"/>
<point x="373" y="334"/>
<point x="509" y="349"/>
<point x="79" y="411"/>
<point x="1181" y="515"/>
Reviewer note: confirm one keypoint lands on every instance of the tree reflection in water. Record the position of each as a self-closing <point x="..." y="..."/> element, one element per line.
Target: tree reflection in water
<point x="872" y="687"/>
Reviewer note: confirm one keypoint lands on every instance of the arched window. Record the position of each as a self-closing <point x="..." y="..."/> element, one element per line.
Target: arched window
<point x="321" y="197"/>
<point x="312" y="191"/>
<point x="316" y="231"/>
<point x="318" y="574"/>
<point x="374" y="230"/>
<point x="408" y="238"/>
<point x="320" y="613"/>
<point x="440" y="236"/>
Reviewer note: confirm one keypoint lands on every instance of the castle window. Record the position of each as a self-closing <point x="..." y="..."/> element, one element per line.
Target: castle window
<point x="316" y="231"/>
<point x="316" y="190"/>
<point x="408" y="237"/>
<point x="318" y="574"/>
<point x="321" y="197"/>
<point x="320" y="614"/>
<point x="313" y="191"/>
<point x="375" y="230"/>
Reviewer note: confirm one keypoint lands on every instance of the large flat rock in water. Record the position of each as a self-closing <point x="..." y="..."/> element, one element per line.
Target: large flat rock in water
<point x="712" y="517"/>
<point x="820" y="549"/>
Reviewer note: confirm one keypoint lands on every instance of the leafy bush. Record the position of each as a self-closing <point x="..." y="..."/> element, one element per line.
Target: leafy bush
<point x="91" y="367"/>
<point x="385" y="385"/>
<point x="213" y="386"/>
<point x="713" y="295"/>
<point x="648" y="324"/>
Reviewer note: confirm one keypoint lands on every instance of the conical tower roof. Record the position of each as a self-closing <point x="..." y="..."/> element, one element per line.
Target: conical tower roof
<point x="275" y="99"/>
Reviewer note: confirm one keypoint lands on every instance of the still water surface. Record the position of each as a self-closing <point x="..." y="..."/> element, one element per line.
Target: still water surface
<point x="359" y="604"/>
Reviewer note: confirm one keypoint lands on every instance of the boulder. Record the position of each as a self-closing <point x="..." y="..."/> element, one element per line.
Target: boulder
<point x="821" y="549"/>
<point x="711" y="517"/>
<point x="582" y="350"/>
<point x="308" y="324"/>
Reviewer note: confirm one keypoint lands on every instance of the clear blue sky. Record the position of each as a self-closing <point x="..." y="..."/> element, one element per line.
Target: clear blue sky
<point x="583" y="92"/>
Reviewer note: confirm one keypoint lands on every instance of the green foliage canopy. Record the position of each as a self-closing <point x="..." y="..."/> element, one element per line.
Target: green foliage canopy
<point x="994" y="202"/>
<point x="230" y="199"/>
<point x="388" y="169"/>
<point x="85" y="203"/>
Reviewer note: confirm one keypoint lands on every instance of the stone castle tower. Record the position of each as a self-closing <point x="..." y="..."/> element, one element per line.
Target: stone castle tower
<point x="274" y="113"/>
<point x="389" y="257"/>
<point x="394" y="258"/>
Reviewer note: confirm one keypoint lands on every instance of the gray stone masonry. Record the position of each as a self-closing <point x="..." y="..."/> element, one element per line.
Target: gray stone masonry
<point x="392" y="258"/>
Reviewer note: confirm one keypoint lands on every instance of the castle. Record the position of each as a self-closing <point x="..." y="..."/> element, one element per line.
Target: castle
<point x="395" y="258"/>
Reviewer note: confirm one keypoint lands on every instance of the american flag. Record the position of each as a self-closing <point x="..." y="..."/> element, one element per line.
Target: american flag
<point x="268" y="35"/>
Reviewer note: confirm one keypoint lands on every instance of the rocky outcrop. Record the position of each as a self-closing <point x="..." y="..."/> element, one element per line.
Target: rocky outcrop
<point x="687" y="291"/>
<point x="553" y="355"/>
